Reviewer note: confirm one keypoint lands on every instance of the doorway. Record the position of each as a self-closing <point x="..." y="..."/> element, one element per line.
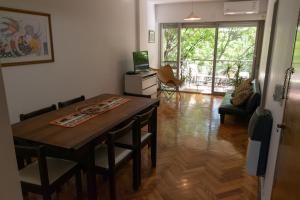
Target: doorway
<point x="211" y="58"/>
<point x="197" y="58"/>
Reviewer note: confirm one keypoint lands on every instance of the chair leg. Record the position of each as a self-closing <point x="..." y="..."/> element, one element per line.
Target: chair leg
<point x="28" y="160"/>
<point x="153" y="152"/>
<point x="20" y="162"/>
<point x="159" y="93"/>
<point x="46" y="196"/>
<point x="112" y="184"/>
<point x="222" y="118"/>
<point x="25" y="193"/>
<point x="105" y="177"/>
<point x="169" y="94"/>
<point x="78" y="185"/>
<point x="58" y="190"/>
<point x="179" y="93"/>
<point x="136" y="170"/>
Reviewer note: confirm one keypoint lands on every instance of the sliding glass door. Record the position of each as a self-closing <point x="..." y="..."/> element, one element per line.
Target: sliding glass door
<point x="211" y="58"/>
<point x="170" y="47"/>
<point x="197" y="55"/>
<point x="235" y="55"/>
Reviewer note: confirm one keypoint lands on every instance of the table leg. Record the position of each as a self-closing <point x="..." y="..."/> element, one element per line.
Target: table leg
<point x="91" y="175"/>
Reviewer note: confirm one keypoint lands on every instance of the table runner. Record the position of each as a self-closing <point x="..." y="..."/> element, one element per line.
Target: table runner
<point x="88" y="112"/>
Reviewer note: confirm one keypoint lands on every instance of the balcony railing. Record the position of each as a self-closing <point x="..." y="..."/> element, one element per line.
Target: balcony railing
<point x="198" y="74"/>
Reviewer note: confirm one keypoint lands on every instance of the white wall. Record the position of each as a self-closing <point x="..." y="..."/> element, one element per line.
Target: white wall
<point x="208" y="11"/>
<point x="9" y="181"/>
<point x="148" y="22"/>
<point x="281" y="59"/>
<point x="93" y="44"/>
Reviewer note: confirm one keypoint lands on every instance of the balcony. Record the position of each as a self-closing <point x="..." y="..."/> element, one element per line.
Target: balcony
<point x="198" y="74"/>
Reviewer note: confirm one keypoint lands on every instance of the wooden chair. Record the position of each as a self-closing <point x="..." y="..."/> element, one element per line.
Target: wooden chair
<point x="144" y="138"/>
<point x="71" y="101"/>
<point x="23" y="117"/>
<point x="37" y="112"/>
<point x="46" y="175"/>
<point x="168" y="82"/>
<point x="108" y="157"/>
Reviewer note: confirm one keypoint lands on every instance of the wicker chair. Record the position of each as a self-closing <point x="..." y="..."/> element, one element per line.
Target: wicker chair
<point x="169" y="84"/>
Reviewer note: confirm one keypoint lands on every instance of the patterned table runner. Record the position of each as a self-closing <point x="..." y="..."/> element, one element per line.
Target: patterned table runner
<point x="86" y="113"/>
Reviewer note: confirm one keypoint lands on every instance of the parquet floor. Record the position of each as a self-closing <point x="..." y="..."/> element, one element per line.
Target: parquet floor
<point x="198" y="159"/>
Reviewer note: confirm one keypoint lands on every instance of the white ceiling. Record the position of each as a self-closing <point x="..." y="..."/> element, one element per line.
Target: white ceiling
<point x="182" y="1"/>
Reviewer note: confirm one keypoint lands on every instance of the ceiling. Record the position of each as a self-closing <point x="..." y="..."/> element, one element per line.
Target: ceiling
<point x="182" y="1"/>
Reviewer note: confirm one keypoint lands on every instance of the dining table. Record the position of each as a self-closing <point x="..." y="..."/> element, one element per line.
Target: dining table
<point x="78" y="143"/>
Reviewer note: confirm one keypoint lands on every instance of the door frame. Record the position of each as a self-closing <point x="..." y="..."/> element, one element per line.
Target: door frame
<point x="258" y="44"/>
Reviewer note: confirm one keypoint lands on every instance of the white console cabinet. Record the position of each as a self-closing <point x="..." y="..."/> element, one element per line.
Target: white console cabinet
<point x="144" y="83"/>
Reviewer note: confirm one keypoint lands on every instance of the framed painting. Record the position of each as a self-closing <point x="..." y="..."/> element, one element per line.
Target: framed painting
<point x="25" y="37"/>
<point x="151" y="36"/>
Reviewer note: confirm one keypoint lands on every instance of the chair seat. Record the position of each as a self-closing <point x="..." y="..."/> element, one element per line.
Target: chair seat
<point x="101" y="155"/>
<point x="174" y="83"/>
<point x="56" y="169"/>
<point x="127" y="138"/>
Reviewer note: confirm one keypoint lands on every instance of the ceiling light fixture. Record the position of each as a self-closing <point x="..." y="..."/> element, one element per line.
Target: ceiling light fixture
<point x="192" y="16"/>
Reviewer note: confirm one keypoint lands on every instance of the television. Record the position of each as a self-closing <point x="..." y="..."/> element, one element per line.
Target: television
<point x="141" y="61"/>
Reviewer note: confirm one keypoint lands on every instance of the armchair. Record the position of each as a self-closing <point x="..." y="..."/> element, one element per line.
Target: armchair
<point x="168" y="82"/>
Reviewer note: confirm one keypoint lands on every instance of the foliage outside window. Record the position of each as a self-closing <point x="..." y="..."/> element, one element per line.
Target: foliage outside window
<point x="235" y="51"/>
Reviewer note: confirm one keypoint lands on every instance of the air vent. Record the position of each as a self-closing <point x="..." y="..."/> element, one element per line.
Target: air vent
<point x="241" y="8"/>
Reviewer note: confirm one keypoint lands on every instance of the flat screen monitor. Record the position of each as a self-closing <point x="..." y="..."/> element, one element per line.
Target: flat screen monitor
<point x="141" y="61"/>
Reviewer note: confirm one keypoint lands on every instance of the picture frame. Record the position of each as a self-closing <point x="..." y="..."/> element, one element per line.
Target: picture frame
<point x="151" y="36"/>
<point x="25" y="37"/>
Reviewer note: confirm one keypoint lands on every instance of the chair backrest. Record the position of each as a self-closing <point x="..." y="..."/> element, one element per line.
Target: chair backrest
<point x="165" y="74"/>
<point x="146" y="117"/>
<point x="71" y="101"/>
<point x="124" y="129"/>
<point x="37" y="112"/>
<point x="131" y="126"/>
<point x="39" y="153"/>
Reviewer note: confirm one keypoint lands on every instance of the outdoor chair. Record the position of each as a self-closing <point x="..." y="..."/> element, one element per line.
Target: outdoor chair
<point x="169" y="84"/>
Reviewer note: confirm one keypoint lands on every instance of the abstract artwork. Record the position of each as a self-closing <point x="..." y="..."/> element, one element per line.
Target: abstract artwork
<point x="25" y="37"/>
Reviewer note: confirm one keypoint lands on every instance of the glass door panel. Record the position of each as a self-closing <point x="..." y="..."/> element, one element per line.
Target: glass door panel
<point x="235" y="56"/>
<point x="197" y="55"/>
<point x="169" y="47"/>
<point x="211" y="58"/>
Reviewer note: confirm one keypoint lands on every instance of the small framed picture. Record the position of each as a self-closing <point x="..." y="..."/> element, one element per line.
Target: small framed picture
<point x="25" y="37"/>
<point x="151" y="36"/>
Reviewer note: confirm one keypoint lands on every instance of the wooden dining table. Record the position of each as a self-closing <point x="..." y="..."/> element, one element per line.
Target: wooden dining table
<point x="78" y="143"/>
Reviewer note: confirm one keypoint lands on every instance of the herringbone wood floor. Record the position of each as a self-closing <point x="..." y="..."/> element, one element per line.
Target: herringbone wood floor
<point x="198" y="159"/>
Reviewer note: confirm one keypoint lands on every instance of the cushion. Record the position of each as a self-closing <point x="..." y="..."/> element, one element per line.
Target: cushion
<point x="248" y="106"/>
<point x="241" y="97"/>
<point x="101" y="155"/>
<point x="166" y="76"/>
<point x="245" y="85"/>
<point x="127" y="138"/>
<point x="56" y="169"/>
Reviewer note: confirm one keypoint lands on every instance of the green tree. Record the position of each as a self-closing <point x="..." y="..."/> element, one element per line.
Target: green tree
<point x="170" y="41"/>
<point x="235" y="48"/>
